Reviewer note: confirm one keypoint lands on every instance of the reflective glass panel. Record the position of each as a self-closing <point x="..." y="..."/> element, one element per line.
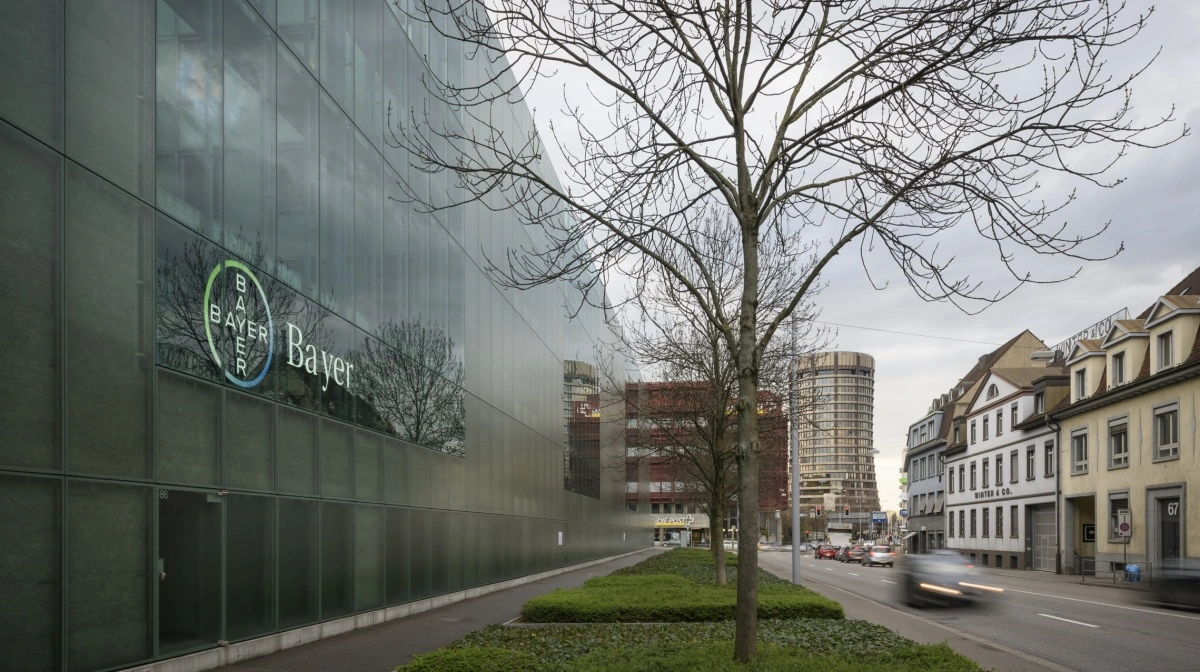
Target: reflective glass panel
<point x="30" y="212"/>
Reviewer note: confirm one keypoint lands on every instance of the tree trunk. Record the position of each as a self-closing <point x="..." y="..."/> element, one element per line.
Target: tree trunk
<point x="716" y="533"/>
<point x="745" y="640"/>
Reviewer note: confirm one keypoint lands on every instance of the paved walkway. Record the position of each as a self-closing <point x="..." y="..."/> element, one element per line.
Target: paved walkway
<point x="383" y="647"/>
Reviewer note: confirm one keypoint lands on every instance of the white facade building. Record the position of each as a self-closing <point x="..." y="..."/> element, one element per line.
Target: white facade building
<point x="1001" y="479"/>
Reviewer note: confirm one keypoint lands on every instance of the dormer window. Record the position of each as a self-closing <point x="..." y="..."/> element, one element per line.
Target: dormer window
<point x="1117" y="374"/>
<point x="1014" y="415"/>
<point x="1080" y="384"/>
<point x="992" y="391"/>
<point x="1039" y="403"/>
<point x="1166" y="350"/>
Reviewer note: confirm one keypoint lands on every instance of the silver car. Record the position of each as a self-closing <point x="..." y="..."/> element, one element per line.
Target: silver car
<point x="878" y="555"/>
<point x="943" y="577"/>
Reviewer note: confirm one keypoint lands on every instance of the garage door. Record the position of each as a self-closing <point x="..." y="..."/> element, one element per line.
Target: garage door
<point x="1044" y="539"/>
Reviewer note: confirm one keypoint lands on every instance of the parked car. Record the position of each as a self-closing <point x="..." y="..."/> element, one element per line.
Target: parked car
<point x="853" y="553"/>
<point x="943" y="577"/>
<point x="878" y="555"/>
<point x="825" y="551"/>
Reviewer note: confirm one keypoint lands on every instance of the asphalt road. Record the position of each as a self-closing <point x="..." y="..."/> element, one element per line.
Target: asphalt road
<point x="1041" y="621"/>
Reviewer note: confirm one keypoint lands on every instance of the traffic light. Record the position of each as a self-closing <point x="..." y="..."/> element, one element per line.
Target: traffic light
<point x="818" y="510"/>
<point x="847" y="509"/>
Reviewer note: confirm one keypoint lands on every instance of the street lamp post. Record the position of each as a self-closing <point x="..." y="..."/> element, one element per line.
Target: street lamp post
<point x="794" y="393"/>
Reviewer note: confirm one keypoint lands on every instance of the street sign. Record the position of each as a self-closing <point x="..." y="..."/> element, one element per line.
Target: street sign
<point x="878" y="517"/>
<point x="1124" y="523"/>
<point x="904" y="513"/>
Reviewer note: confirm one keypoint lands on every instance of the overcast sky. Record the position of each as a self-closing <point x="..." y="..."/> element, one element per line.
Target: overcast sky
<point x="1152" y="215"/>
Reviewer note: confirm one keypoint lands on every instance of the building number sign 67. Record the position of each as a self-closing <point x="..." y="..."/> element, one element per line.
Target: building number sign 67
<point x="1172" y="508"/>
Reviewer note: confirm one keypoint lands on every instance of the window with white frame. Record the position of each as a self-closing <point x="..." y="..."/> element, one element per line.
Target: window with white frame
<point x="1116" y="375"/>
<point x="985" y="428"/>
<point x="961" y="477"/>
<point x="1118" y="443"/>
<point x="1166" y="431"/>
<point x="956" y="434"/>
<point x="951" y="530"/>
<point x="1049" y="452"/>
<point x="999" y="423"/>
<point x="1013" y="421"/>
<point x="1080" y="383"/>
<point x="1079" y="452"/>
<point x="986" y="527"/>
<point x="972" y="431"/>
<point x="1117" y="501"/>
<point x="1030" y="463"/>
<point x="999" y="521"/>
<point x="1014" y="526"/>
<point x="999" y="468"/>
<point x="973" y="523"/>
<point x="972" y="475"/>
<point x="992" y="391"/>
<point x="950" y="481"/>
<point x="986" y="471"/>
<point x="1166" y="350"/>
<point x="1039" y="402"/>
<point x="1013" y="467"/>
<point x="962" y="523"/>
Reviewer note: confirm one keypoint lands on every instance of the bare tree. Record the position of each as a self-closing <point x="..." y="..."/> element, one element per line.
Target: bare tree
<point x="822" y="123"/>
<point x="689" y="414"/>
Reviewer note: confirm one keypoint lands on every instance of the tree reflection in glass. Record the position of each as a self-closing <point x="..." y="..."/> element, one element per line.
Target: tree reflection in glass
<point x="412" y="378"/>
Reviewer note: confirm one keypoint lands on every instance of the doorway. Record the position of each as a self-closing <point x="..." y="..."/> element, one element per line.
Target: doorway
<point x="189" y="570"/>
<point x="1170" y="545"/>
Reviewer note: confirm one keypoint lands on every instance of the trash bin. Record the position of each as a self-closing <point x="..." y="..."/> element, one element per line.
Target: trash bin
<point x="1133" y="573"/>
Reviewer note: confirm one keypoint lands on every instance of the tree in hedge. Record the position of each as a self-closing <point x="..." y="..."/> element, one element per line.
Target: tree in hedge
<point x="823" y="124"/>
<point x="687" y="422"/>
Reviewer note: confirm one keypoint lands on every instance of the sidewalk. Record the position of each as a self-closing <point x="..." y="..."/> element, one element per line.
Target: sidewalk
<point x="383" y="647"/>
<point x="1104" y="580"/>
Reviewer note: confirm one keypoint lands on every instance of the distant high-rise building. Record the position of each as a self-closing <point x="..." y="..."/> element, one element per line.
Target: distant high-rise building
<point x="837" y="454"/>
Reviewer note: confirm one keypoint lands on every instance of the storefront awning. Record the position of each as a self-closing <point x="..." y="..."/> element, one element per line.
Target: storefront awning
<point x="939" y="503"/>
<point x="909" y="535"/>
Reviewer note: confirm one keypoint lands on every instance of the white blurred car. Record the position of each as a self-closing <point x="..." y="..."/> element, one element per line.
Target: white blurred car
<point x="943" y="577"/>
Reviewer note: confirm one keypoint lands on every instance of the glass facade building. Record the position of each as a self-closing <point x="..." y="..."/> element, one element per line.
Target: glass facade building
<point x="252" y="386"/>
<point x="837" y="454"/>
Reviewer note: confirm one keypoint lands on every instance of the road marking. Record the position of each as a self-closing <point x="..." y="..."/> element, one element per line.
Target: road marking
<point x="1106" y="604"/>
<point x="829" y="569"/>
<point x="1089" y="625"/>
<point x="886" y="581"/>
<point x="852" y="574"/>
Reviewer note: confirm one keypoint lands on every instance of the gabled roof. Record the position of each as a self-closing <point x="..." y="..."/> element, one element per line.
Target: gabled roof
<point x="1024" y="377"/>
<point x="1123" y="329"/>
<point x="1085" y="347"/>
<point x="985" y="363"/>
<point x="1169" y="304"/>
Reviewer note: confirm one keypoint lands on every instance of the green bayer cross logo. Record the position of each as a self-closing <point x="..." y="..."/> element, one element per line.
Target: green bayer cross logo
<point x="234" y="323"/>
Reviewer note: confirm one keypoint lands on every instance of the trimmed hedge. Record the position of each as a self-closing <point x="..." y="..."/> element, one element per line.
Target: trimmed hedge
<point x="718" y="657"/>
<point x="674" y="587"/>
<point x="666" y="598"/>
<point x="697" y="565"/>
<point x="474" y="659"/>
<point x="807" y="644"/>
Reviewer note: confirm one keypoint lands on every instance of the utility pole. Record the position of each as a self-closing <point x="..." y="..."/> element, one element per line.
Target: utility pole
<point x="794" y="393"/>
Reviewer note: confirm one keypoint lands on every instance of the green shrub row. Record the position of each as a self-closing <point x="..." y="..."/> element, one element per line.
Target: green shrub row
<point x="665" y="598"/>
<point x="697" y="565"/>
<point x="803" y="645"/>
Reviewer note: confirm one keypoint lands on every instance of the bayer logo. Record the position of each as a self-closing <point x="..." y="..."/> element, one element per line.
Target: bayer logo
<point x="237" y="323"/>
